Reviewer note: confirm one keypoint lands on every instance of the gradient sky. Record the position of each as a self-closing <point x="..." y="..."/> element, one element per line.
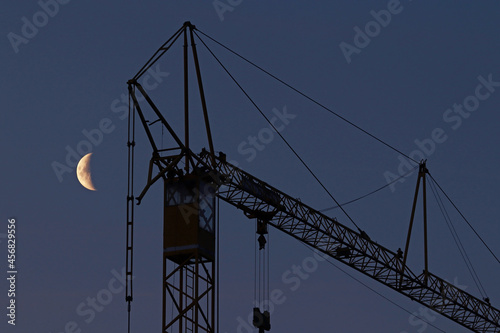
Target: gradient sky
<point x="68" y="77"/>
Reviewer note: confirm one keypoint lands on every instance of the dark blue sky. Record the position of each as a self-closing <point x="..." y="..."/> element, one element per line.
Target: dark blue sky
<point x="426" y="79"/>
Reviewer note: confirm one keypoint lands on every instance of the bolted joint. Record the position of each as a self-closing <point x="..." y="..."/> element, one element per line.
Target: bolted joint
<point x="399" y="254"/>
<point x="422" y="167"/>
<point x="188" y="24"/>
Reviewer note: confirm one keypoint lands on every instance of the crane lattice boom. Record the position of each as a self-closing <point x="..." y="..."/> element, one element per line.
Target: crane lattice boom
<point x="185" y="172"/>
<point x="354" y="249"/>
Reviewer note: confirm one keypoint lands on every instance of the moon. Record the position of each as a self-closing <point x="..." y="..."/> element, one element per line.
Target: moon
<point x="83" y="172"/>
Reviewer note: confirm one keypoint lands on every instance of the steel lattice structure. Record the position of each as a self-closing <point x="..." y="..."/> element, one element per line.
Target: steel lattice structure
<point x="260" y="200"/>
<point x="352" y="248"/>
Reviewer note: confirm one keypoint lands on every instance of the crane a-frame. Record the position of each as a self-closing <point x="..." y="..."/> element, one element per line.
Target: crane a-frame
<point x="193" y="180"/>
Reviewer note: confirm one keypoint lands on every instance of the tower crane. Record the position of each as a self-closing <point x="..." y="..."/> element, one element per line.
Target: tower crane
<point x="192" y="181"/>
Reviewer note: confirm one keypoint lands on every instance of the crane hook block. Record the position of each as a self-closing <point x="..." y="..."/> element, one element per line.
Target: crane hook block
<point x="262" y="230"/>
<point x="261" y="320"/>
<point x="262" y="242"/>
<point x="261" y="227"/>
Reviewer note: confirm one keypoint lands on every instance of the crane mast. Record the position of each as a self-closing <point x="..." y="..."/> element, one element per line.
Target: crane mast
<point x="199" y="178"/>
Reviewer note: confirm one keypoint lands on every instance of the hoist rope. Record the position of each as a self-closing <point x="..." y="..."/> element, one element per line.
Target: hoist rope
<point x="278" y="132"/>
<point x="464" y="218"/>
<point x="337" y="115"/>
<point x="372" y="192"/>
<point x="306" y="96"/>
<point x="457" y="240"/>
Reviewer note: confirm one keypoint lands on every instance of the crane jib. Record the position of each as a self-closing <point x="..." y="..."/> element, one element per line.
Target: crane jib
<point x="327" y="235"/>
<point x="252" y="186"/>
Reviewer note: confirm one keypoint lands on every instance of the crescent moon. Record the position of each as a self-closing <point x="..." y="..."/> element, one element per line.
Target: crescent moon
<point x="83" y="173"/>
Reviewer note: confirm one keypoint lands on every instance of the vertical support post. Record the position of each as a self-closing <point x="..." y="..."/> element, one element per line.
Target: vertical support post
<point x="215" y="292"/>
<point x="421" y="177"/>
<point x="186" y="99"/>
<point x="182" y="294"/>
<point x="130" y="209"/>
<point x="408" y="237"/>
<point x="202" y="95"/>
<point x="423" y="171"/>
<point x="164" y="298"/>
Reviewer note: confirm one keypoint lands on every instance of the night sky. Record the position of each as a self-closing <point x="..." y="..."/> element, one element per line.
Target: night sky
<point x="423" y="76"/>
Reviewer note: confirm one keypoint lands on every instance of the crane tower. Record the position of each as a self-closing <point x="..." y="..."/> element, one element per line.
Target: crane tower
<point x="189" y="294"/>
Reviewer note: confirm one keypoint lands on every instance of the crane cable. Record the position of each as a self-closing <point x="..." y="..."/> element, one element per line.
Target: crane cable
<point x="457" y="240"/>
<point x="307" y="97"/>
<point x="280" y="135"/>
<point x="337" y="115"/>
<point x="268" y="251"/>
<point x="372" y="192"/>
<point x="261" y="271"/>
<point x="464" y="218"/>
<point x="256" y="266"/>
<point x="342" y="118"/>
<point x="317" y="179"/>
<point x="217" y="279"/>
